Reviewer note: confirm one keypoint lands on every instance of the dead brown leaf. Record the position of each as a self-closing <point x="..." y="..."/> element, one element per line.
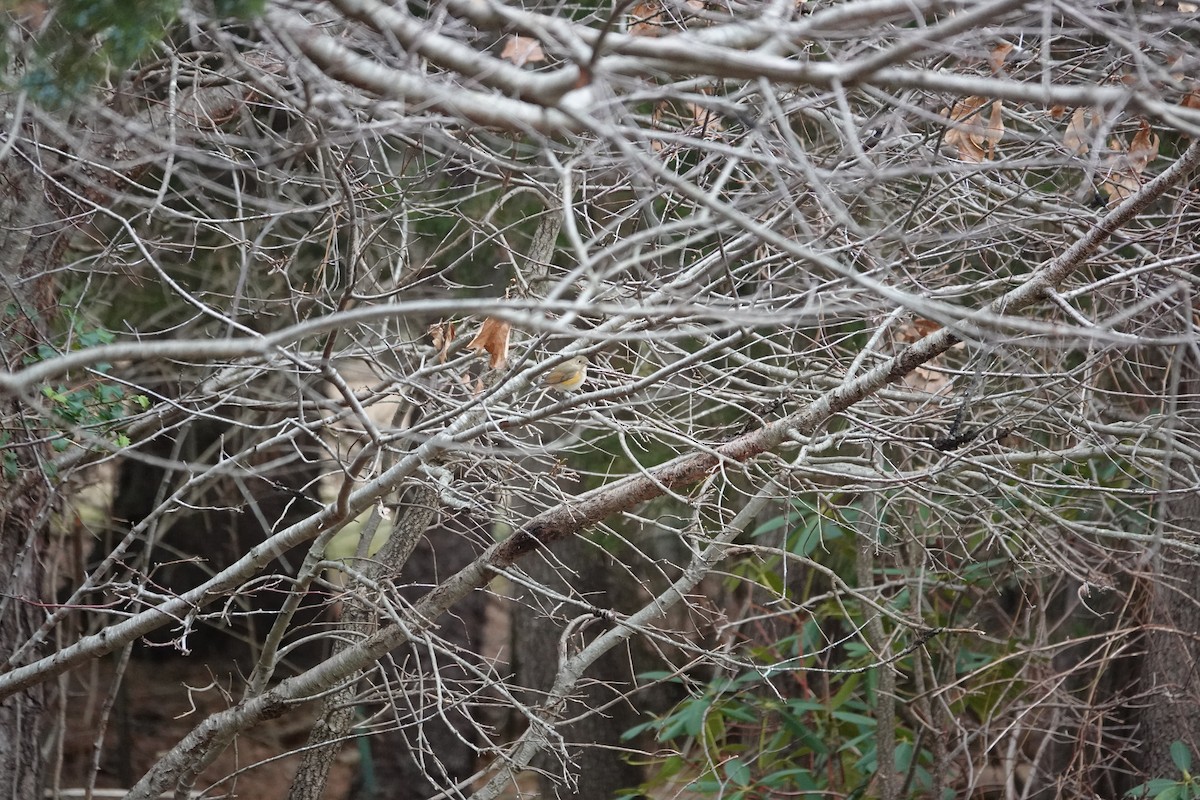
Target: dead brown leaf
<point x="974" y="137"/>
<point x="647" y="18"/>
<point x="924" y="379"/>
<point x="1144" y="147"/>
<point x="998" y="55"/>
<point x="1078" y="135"/>
<point x="31" y="13"/>
<point x="924" y="327"/>
<point x="522" y="50"/>
<point x="654" y="17"/>
<point x="493" y="337"/>
<point x="1126" y="165"/>
<point x="1173" y="62"/>
<point x="705" y="118"/>
<point x="442" y="334"/>
<point x="1119" y="185"/>
<point x="915" y="329"/>
<point x="994" y="132"/>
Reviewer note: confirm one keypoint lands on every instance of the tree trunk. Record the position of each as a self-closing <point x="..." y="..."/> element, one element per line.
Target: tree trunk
<point x="1170" y="680"/>
<point x="22" y="715"/>
<point x="595" y="765"/>
<point x="30" y="244"/>
<point x="421" y="760"/>
<point x="1170" y="676"/>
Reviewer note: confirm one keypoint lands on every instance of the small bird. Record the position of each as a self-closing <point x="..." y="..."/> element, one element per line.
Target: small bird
<point x="567" y="376"/>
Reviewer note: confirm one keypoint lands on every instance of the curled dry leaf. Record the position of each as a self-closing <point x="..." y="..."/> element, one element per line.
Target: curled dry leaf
<point x="927" y="379"/>
<point x="974" y="137"/>
<point x="686" y="116"/>
<point x="1119" y="185"/>
<point x="994" y="131"/>
<point x="442" y="334"/>
<point x="492" y="337"/>
<point x="1078" y="135"/>
<point x="914" y="329"/>
<point x="924" y="327"/>
<point x="998" y="55"/>
<point x="1127" y="165"/>
<point x="930" y="377"/>
<point x="1176" y="68"/>
<point x="647" y="18"/>
<point x="31" y="13"/>
<point x="522" y="50"/>
<point x="1144" y="147"/>
<point x="706" y="119"/>
<point x="957" y="135"/>
<point x="652" y="18"/>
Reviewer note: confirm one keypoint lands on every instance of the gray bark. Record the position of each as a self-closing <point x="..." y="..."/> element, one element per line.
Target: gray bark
<point x="1171" y="672"/>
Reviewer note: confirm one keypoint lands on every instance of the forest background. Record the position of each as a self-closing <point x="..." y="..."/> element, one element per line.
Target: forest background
<point x="883" y="481"/>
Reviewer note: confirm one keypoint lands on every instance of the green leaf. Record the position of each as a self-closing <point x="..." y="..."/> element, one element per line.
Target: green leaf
<point x="1154" y="788"/>
<point x="96" y="336"/>
<point x="1181" y="755"/>
<point x="1159" y="785"/>
<point x="737" y="771"/>
<point x="861" y="720"/>
<point x="740" y="712"/>
<point x="10" y="465"/>
<point x="109" y="394"/>
<point x="773" y="524"/>
<point x="817" y="532"/>
<point x="846" y="692"/>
